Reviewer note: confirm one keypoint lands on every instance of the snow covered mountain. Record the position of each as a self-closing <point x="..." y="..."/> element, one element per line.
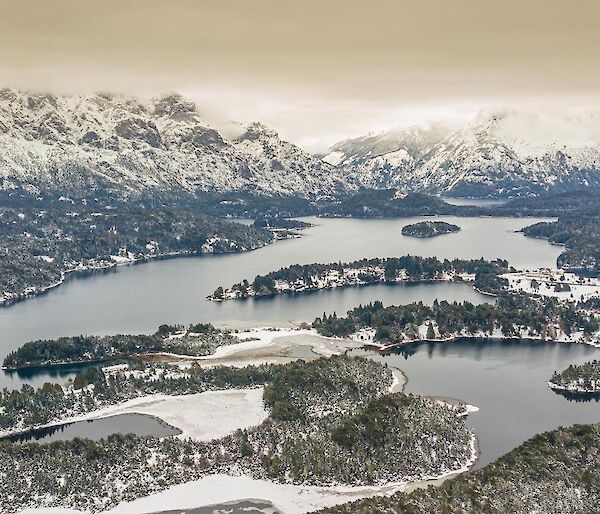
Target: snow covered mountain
<point x="95" y="145"/>
<point x="498" y="154"/>
<point x="104" y="144"/>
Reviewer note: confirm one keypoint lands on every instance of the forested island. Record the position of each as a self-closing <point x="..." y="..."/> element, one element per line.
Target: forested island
<point x="194" y="340"/>
<point x="583" y="378"/>
<point x="429" y="229"/>
<point x="354" y="433"/>
<point x="485" y="275"/>
<point x="556" y="471"/>
<point x="511" y="317"/>
<point x="580" y="234"/>
<point x="277" y="223"/>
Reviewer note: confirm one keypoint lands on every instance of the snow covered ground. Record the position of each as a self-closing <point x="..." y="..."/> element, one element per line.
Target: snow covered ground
<point x="269" y="345"/>
<point x="554" y="283"/>
<point x="290" y="499"/>
<point x="203" y="416"/>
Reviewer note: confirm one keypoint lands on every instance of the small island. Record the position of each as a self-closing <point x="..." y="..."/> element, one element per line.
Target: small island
<point x="196" y="340"/>
<point x="429" y="229"/>
<point x="582" y="379"/>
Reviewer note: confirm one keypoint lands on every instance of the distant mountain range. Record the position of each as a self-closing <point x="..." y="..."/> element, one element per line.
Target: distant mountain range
<point x="506" y="153"/>
<point x="105" y="145"/>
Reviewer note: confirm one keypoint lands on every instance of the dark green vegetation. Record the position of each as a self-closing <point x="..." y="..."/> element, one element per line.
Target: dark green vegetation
<point x="578" y="226"/>
<point x="280" y="223"/>
<point x="553" y="472"/>
<point x="394" y="269"/>
<point x="196" y="340"/>
<point x="389" y="203"/>
<point x="584" y="378"/>
<point x="581" y="236"/>
<point x="570" y="203"/>
<point x="514" y="316"/>
<point x="38" y="246"/>
<point x="353" y="432"/>
<point x="429" y="229"/>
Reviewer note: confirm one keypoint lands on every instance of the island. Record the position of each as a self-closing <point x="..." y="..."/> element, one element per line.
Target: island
<point x="429" y="229"/>
<point x="355" y="431"/>
<point x="194" y="340"/>
<point x="515" y="317"/>
<point x="580" y="379"/>
<point x="486" y="276"/>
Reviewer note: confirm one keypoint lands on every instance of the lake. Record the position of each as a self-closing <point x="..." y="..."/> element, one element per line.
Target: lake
<point x="96" y="429"/>
<point x="138" y="298"/>
<point x="506" y="379"/>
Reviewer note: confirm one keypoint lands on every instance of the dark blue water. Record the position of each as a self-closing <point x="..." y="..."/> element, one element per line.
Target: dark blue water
<point x="507" y="380"/>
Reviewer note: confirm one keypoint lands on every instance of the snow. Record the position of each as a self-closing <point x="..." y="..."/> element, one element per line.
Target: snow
<point x="265" y="338"/>
<point x="334" y="158"/>
<point x="545" y="282"/>
<point x="202" y="416"/>
<point x="291" y="499"/>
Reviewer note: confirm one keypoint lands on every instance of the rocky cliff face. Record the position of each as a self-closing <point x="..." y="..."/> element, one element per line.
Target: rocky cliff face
<point x="121" y="146"/>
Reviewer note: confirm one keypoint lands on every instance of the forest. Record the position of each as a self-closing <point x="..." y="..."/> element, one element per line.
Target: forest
<point x="196" y="340"/>
<point x="354" y="433"/>
<point x="309" y="277"/>
<point x="429" y="229"/>
<point x="582" y="378"/>
<point x="39" y="246"/>
<point x="513" y="316"/>
<point x="580" y="234"/>
<point x="557" y="471"/>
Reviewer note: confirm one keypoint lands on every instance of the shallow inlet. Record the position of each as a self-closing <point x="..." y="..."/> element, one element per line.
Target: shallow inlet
<point x="96" y="429"/>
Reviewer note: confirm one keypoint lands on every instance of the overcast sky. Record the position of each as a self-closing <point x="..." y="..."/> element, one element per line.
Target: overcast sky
<point x="317" y="71"/>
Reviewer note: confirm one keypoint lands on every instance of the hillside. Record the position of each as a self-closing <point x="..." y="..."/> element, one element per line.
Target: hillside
<point x="552" y="472"/>
<point x="100" y="144"/>
<point x="501" y="153"/>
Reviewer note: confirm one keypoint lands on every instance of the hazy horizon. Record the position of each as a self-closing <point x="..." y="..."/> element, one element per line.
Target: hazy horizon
<point x="316" y="75"/>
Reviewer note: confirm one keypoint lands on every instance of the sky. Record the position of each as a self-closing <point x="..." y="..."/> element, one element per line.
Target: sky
<point x="317" y="71"/>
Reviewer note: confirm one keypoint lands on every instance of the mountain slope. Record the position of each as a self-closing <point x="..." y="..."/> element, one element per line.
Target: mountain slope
<point x="103" y="144"/>
<point x="505" y="153"/>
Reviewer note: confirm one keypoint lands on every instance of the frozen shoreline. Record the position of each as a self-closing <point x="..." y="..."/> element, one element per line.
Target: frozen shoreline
<point x="202" y="416"/>
<point x="290" y="499"/>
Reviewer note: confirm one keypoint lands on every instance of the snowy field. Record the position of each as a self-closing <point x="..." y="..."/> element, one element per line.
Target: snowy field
<point x="555" y="284"/>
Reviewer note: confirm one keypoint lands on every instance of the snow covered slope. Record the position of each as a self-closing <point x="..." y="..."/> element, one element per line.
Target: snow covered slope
<point x="104" y="143"/>
<point x="499" y="153"/>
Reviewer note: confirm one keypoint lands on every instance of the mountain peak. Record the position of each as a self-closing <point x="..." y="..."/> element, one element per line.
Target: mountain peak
<point x="257" y="130"/>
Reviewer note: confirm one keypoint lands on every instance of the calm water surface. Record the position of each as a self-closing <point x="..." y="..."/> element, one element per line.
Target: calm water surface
<point x="96" y="429"/>
<point x="138" y="298"/>
<point x="505" y="379"/>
